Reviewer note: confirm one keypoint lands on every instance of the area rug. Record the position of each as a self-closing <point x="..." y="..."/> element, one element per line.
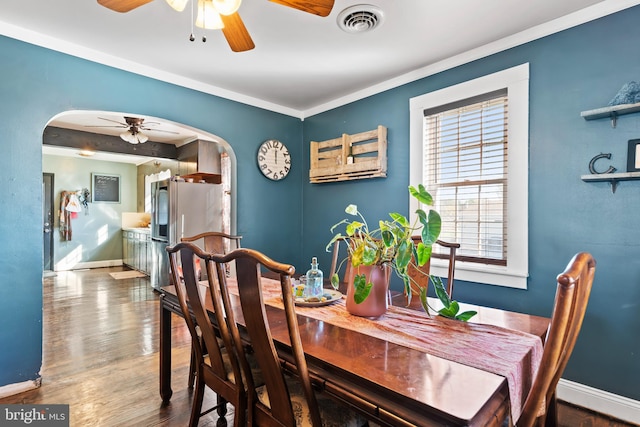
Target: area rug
<point x="132" y="274"/>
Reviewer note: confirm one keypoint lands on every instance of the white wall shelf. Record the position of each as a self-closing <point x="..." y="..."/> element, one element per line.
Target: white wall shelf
<point x="612" y="178"/>
<point x="612" y="112"/>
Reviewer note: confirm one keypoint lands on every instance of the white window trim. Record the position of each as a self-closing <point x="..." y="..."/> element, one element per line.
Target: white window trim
<point x="516" y="80"/>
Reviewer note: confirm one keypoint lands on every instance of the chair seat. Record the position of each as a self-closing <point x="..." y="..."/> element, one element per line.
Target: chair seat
<point x="253" y="364"/>
<point x="332" y="413"/>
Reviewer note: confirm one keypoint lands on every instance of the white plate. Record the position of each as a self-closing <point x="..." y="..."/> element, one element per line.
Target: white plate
<point x="335" y="296"/>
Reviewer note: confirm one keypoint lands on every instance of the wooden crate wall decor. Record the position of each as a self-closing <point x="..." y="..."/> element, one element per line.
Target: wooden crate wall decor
<point x="358" y="156"/>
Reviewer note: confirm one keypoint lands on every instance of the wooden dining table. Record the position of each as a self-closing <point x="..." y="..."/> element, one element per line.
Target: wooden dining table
<point x="397" y="375"/>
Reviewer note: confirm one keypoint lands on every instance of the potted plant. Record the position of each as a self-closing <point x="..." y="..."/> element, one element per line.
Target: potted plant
<point x="390" y="247"/>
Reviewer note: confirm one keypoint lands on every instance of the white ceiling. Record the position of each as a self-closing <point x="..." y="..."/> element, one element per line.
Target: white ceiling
<point x="302" y="64"/>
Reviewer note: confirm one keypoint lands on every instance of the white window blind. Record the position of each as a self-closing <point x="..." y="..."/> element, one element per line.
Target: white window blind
<point x="465" y="169"/>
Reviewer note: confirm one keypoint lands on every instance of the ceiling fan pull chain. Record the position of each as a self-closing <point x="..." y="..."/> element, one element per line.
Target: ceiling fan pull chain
<point x="191" y="37"/>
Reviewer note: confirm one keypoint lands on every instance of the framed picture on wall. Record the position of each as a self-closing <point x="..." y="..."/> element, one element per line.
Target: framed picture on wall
<point x="633" y="156"/>
<point x="105" y="187"/>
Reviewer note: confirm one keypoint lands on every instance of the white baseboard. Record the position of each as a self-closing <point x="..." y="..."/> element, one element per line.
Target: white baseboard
<point x="90" y="264"/>
<point x="601" y="401"/>
<point x="11" y="389"/>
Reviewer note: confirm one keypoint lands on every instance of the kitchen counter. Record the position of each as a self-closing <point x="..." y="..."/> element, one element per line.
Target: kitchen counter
<point x="145" y="230"/>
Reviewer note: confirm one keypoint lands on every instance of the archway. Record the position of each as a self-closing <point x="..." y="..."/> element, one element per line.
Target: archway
<point x="70" y="133"/>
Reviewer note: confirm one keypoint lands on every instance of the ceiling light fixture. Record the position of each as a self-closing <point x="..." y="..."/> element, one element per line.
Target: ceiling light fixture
<point x="208" y="16"/>
<point x="134" y="136"/>
<point x="209" y="12"/>
<point x="227" y="7"/>
<point x="178" y="5"/>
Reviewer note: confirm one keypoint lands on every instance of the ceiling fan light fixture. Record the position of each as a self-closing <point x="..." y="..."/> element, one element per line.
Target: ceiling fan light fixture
<point x="208" y="17"/>
<point x="178" y="5"/>
<point x="134" y="137"/>
<point x="142" y="138"/>
<point x="227" y="7"/>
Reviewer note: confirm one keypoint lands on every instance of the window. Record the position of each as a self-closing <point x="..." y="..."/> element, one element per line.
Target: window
<point x="469" y="147"/>
<point x="465" y="169"/>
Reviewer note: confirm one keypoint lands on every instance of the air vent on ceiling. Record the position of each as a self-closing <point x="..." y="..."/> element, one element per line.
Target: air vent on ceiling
<point x="360" y="18"/>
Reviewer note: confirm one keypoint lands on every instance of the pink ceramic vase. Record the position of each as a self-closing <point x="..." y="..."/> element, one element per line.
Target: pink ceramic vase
<point x="375" y="305"/>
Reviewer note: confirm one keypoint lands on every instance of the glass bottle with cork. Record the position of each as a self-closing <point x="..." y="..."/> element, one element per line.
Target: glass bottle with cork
<point x="313" y="286"/>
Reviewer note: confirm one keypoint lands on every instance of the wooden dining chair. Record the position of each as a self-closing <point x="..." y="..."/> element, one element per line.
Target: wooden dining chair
<point x="420" y="274"/>
<point x="217" y="370"/>
<point x="215" y="241"/>
<point x="335" y="266"/>
<point x="572" y="295"/>
<point x="219" y="243"/>
<point x="283" y="400"/>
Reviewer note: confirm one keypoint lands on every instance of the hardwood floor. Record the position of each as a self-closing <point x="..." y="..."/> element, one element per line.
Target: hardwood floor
<point x="100" y="356"/>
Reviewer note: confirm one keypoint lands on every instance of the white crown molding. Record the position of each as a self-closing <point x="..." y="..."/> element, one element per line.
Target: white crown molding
<point x="596" y="11"/>
<point x="591" y="13"/>
<point x="73" y="49"/>
<point x="601" y="401"/>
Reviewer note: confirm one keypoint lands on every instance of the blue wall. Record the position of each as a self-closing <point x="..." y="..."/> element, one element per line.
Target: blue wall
<point x="578" y="69"/>
<point x="35" y="85"/>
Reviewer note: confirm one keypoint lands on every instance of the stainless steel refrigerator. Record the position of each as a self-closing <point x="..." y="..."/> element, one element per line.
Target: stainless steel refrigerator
<point x="180" y="209"/>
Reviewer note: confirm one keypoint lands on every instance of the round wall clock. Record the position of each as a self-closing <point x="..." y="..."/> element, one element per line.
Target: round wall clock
<point x="274" y="160"/>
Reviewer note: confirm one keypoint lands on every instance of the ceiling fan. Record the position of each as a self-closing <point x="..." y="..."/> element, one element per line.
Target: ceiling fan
<point x="222" y="14"/>
<point x="134" y="126"/>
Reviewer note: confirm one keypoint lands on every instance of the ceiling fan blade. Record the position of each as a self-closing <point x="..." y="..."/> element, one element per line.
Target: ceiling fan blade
<point x="236" y="33"/>
<point x="115" y="121"/>
<point x="105" y="126"/>
<point x="317" y="7"/>
<point x="122" y="5"/>
<point x="158" y="130"/>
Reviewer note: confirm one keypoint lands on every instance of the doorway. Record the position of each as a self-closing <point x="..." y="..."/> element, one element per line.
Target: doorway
<point x="80" y="147"/>
<point x="47" y="221"/>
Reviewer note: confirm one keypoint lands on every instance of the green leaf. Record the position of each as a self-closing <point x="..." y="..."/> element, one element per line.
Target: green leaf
<point x="400" y="219"/>
<point x="329" y="246"/>
<point x="447" y="312"/>
<point x="441" y="292"/>
<point x="387" y="238"/>
<point x="466" y="315"/>
<point x="431" y="228"/>
<point x="340" y="223"/>
<point x="421" y="194"/>
<point x="403" y="256"/>
<point x="450" y="311"/>
<point x="423" y="253"/>
<point x="356" y="255"/>
<point x="352" y="210"/>
<point x="362" y="288"/>
<point x="423" y="299"/>
<point x="369" y="255"/>
<point x="335" y="281"/>
<point x="353" y="227"/>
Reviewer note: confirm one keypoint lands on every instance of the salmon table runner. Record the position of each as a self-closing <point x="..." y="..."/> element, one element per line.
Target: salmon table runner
<point x="512" y="354"/>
